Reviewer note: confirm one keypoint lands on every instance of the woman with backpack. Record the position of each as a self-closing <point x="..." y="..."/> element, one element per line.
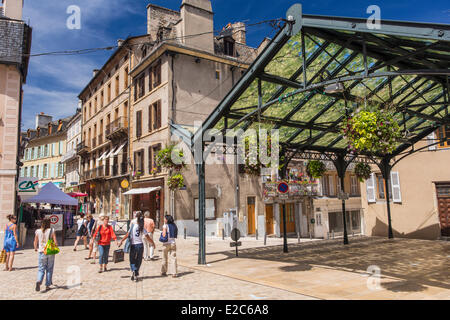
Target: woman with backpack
<point x="46" y="262"/>
<point x="103" y="235"/>
<point x="11" y="242"/>
<point x="168" y="235"/>
<point x="82" y="232"/>
<point x="136" y="236"/>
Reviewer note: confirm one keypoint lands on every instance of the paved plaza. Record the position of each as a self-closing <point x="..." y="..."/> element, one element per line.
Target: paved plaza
<point x="318" y="269"/>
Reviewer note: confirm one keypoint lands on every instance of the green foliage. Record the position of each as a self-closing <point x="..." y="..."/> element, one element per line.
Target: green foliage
<point x="171" y="158"/>
<point x="362" y="171"/>
<point x="315" y="169"/>
<point x="175" y="181"/>
<point x="373" y="131"/>
<point x="252" y="147"/>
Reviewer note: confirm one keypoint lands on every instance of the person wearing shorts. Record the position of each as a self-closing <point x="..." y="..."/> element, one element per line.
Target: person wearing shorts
<point x="93" y="245"/>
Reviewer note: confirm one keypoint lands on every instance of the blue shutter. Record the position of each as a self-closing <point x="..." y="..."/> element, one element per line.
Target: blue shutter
<point x="60" y="147"/>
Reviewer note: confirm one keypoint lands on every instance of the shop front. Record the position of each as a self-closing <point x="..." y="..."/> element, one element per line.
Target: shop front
<point x="148" y="196"/>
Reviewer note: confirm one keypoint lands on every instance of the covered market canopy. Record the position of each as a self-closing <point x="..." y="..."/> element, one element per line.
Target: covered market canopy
<point x="318" y="70"/>
<point x="52" y="195"/>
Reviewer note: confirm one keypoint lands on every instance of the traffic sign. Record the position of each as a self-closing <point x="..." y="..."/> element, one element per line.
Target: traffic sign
<point x="235" y="234"/>
<point x="236" y="244"/>
<point x="283" y="187"/>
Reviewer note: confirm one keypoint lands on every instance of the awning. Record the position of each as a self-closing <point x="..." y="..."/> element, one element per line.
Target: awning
<point x="119" y="149"/>
<point x="102" y="156"/>
<point x="142" y="191"/>
<point x="110" y="153"/>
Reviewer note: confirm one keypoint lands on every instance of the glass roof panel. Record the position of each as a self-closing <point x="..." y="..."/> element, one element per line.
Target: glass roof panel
<point x="312" y="107"/>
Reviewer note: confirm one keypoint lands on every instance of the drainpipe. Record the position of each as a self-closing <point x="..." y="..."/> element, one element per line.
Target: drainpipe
<point x="16" y="180"/>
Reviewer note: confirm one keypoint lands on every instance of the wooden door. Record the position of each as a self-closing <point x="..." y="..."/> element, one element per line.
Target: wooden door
<point x="290" y="218"/>
<point x="251" y="215"/>
<point x="443" y="195"/>
<point x="269" y="219"/>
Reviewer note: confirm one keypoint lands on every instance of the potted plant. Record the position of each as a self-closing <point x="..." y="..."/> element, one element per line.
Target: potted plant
<point x="171" y="158"/>
<point x="175" y="182"/>
<point x="315" y="169"/>
<point x="372" y="130"/>
<point x="362" y="171"/>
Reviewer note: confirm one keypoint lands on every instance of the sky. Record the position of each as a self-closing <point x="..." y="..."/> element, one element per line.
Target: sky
<point x="54" y="82"/>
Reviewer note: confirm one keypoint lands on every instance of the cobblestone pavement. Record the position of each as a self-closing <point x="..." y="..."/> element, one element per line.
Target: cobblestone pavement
<point x="116" y="284"/>
<point x="317" y="269"/>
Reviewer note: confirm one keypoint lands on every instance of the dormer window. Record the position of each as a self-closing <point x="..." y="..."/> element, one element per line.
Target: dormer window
<point x="229" y="47"/>
<point x="60" y="125"/>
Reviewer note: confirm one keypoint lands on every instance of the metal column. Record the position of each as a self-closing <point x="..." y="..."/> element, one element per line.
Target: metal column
<point x="201" y="213"/>
<point x="341" y="166"/>
<point x="386" y="171"/>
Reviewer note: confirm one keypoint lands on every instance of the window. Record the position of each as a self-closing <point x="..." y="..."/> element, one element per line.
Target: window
<point x="217" y="75"/>
<point x="156" y="115"/>
<point x="61" y="169"/>
<point x="381" y="194"/>
<point x="109" y="92"/>
<point x="228" y="46"/>
<point x="354" y="186"/>
<point x="138" y="124"/>
<point x="25" y="172"/>
<point x="139" y="162"/>
<point x="125" y="78"/>
<point x="101" y="99"/>
<point x="39" y="152"/>
<point x="150" y="118"/>
<point x="210" y="207"/>
<point x="157" y="74"/>
<point x="46" y="150"/>
<point x="152" y="154"/>
<point x="140" y="86"/>
<point x="117" y="85"/>
<point x="45" y="171"/>
<point x="90" y="109"/>
<point x="95" y="105"/>
<point x="328" y="185"/>
<point x="444" y="136"/>
<point x="32" y="172"/>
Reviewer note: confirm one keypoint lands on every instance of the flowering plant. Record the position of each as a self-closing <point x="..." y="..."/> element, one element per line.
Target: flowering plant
<point x="171" y="158"/>
<point x="175" y="181"/>
<point x="374" y="131"/>
<point x="362" y="171"/>
<point x="315" y="169"/>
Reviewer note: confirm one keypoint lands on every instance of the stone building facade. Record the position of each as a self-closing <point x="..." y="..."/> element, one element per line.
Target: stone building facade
<point x="15" y="44"/>
<point x="70" y="159"/>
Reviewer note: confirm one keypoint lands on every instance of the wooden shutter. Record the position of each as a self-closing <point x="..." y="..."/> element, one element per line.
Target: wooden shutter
<point x="158" y="114"/>
<point x="370" y="186"/>
<point x="395" y="183"/>
<point x="150" y="159"/>
<point x="134" y="161"/>
<point x="138" y="123"/>
<point x="430" y="140"/>
<point x="150" y="78"/>
<point x="61" y="147"/>
<point x="150" y="122"/>
<point x="142" y="161"/>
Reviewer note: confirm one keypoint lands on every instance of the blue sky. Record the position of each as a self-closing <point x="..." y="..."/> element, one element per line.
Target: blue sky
<point x="54" y="82"/>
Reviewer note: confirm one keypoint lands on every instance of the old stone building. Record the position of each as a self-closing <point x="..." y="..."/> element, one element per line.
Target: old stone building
<point x="15" y="44"/>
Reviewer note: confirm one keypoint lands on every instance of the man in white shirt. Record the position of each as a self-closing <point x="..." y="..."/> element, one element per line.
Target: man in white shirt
<point x="149" y="226"/>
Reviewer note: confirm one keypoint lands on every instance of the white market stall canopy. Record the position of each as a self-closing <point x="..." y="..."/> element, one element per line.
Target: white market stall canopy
<point x="141" y="191"/>
<point x="53" y="195"/>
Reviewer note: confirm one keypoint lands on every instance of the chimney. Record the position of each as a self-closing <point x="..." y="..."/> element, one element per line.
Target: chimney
<point x="42" y="120"/>
<point x="239" y="32"/>
<point x="197" y="17"/>
<point x="94" y="72"/>
<point x="120" y="42"/>
<point x="13" y="9"/>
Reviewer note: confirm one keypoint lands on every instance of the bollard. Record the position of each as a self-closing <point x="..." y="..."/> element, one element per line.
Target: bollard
<point x="353" y="233"/>
<point x="256" y="234"/>
<point x="298" y="237"/>
<point x="265" y="238"/>
<point x="332" y="234"/>
<point x="310" y="235"/>
<point x="185" y="233"/>
<point x="223" y="234"/>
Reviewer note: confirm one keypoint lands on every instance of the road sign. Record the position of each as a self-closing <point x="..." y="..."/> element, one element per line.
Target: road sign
<point x="283" y="187"/>
<point x="56" y="221"/>
<point x="235" y="234"/>
<point x="236" y="244"/>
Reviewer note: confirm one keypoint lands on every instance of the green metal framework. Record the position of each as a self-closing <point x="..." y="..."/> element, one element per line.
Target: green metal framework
<point x="403" y="65"/>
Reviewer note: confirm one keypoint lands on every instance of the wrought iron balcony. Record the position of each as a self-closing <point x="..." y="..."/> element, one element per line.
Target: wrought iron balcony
<point x="82" y="148"/>
<point x="118" y="129"/>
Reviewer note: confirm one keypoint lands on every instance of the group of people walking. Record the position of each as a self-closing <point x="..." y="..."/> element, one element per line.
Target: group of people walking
<point x="97" y="237"/>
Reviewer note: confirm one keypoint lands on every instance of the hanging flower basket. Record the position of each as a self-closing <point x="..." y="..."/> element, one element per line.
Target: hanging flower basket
<point x="175" y="182"/>
<point x="373" y="131"/>
<point x="171" y="158"/>
<point x="253" y="149"/>
<point x="362" y="171"/>
<point x="315" y="169"/>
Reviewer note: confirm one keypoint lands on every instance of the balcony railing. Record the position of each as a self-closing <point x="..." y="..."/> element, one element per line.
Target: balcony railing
<point x="296" y="189"/>
<point x="94" y="142"/>
<point x="81" y="147"/>
<point x="118" y="170"/>
<point x="100" y="139"/>
<point x="117" y="125"/>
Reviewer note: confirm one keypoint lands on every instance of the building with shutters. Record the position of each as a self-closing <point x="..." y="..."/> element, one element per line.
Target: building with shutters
<point x="70" y="159"/>
<point x="43" y="155"/>
<point x="15" y="45"/>
<point x="419" y="193"/>
<point x="178" y="79"/>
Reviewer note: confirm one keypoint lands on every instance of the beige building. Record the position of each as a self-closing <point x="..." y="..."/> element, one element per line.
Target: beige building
<point x="179" y="80"/>
<point x="420" y="194"/>
<point x="43" y="155"/>
<point x="15" y="43"/>
<point x="70" y="159"/>
<point x="104" y="147"/>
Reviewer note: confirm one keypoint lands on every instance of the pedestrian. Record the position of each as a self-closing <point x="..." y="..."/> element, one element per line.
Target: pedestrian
<point x="46" y="262"/>
<point x="93" y="244"/>
<point x="82" y="232"/>
<point x="11" y="242"/>
<point x="168" y="235"/>
<point x="149" y="247"/>
<point x="104" y="234"/>
<point x="137" y="234"/>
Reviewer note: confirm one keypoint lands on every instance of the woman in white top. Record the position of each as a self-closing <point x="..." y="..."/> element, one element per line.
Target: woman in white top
<point x="82" y="232"/>
<point x="136" y="233"/>
<point x="46" y="262"/>
<point x="169" y="260"/>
